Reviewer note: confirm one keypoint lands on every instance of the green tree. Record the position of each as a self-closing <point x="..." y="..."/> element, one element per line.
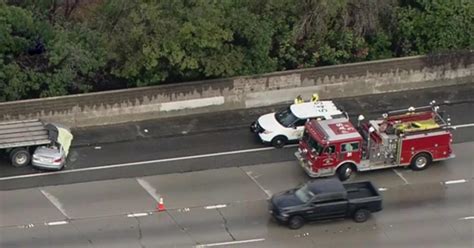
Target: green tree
<point x="39" y="59"/>
<point x="437" y="25"/>
<point x="59" y="47"/>
<point x="171" y="40"/>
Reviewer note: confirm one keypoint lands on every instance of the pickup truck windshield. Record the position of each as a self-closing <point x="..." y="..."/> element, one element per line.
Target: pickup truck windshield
<point x="304" y="194"/>
<point x="286" y="117"/>
<point x="312" y="143"/>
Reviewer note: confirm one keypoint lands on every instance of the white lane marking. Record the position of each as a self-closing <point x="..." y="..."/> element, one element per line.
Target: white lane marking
<point x="56" y="223"/>
<point x="382" y="189"/>
<point x="137" y="215"/>
<point x="55" y="201"/>
<point x="98" y="147"/>
<point x="249" y="174"/>
<point x="150" y="189"/>
<point x="184" y="209"/>
<point x="467" y="218"/>
<point x="401" y="176"/>
<point x="216" y="206"/>
<point x="456" y="181"/>
<point x="230" y="243"/>
<point x="27" y="226"/>
<point x="144" y="162"/>
<point x="464" y="125"/>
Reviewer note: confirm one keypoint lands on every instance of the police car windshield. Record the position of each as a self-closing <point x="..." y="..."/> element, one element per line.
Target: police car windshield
<point x="286" y="117"/>
<point x="313" y="144"/>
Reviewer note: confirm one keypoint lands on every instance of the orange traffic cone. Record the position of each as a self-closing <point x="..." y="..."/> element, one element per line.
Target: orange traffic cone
<point x="160" y="206"/>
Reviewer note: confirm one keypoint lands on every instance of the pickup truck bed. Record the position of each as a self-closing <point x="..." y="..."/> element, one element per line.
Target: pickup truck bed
<point x="360" y="190"/>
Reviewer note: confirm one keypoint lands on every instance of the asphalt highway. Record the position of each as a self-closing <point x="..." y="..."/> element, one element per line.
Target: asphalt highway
<point x="228" y="208"/>
<point x="108" y="194"/>
<point x="209" y="141"/>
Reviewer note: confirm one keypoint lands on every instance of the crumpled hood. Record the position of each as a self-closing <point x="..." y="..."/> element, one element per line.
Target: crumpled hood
<point x="286" y="199"/>
<point x="268" y="122"/>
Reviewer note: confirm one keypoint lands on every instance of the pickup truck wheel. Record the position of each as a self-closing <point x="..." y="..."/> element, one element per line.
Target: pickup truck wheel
<point x="279" y="141"/>
<point x="420" y="161"/>
<point x="361" y="215"/>
<point x="20" y="157"/>
<point x="296" y="222"/>
<point x="345" y="172"/>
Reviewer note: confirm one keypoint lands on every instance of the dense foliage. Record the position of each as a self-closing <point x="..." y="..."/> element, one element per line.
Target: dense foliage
<point x="59" y="47"/>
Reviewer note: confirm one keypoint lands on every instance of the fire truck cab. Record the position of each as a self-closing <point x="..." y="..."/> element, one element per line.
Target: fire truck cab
<point x="412" y="137"/>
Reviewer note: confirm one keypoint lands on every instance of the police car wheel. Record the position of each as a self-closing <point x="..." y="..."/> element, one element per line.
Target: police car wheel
<point x="279" y="141"/>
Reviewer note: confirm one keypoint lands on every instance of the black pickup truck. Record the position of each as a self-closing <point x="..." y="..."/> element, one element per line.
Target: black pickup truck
<point x="325" y="199"/>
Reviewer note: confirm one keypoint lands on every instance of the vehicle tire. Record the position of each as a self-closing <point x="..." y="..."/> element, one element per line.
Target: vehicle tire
<point x="253" y="127"/>
<point x="20" y="157"/>
<point x="279" y="141"/>
<point x="361" y="215"/>
<point x="420" y="161"/>
<point x="345" y="172"/>
<point x="296" y="222"/>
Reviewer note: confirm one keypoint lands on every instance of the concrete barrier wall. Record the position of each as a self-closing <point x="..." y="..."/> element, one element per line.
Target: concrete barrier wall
<point x="246" y="92"/>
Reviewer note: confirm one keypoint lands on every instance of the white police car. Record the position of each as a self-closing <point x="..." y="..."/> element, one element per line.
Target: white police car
<point x="288" y="125"/>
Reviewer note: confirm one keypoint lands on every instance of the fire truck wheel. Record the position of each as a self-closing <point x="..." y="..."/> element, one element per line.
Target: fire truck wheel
<point x="345" y="172"/>
<point x="279" y="141"/>
<point x="420" y="161"/>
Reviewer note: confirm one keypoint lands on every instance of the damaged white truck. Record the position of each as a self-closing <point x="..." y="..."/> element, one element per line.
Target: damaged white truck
<point x="49" y="143"/>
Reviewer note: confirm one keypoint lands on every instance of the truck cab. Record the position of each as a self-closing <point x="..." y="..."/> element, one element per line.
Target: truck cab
<point x="280" y="128"/>
<point x="326" y="144"/>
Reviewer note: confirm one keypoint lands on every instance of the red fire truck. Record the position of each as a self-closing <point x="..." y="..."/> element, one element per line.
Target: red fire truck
<point x="412" y="137"/>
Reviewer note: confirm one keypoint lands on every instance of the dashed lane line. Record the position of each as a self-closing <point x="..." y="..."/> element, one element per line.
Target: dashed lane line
<point x="216" y="206"/>
<point x="455" y="181"/>
<point x="26" y="226"/>
<point x="137" y="215"/>
<point x="56" y="223"/>
<point x="230" y="243"/>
